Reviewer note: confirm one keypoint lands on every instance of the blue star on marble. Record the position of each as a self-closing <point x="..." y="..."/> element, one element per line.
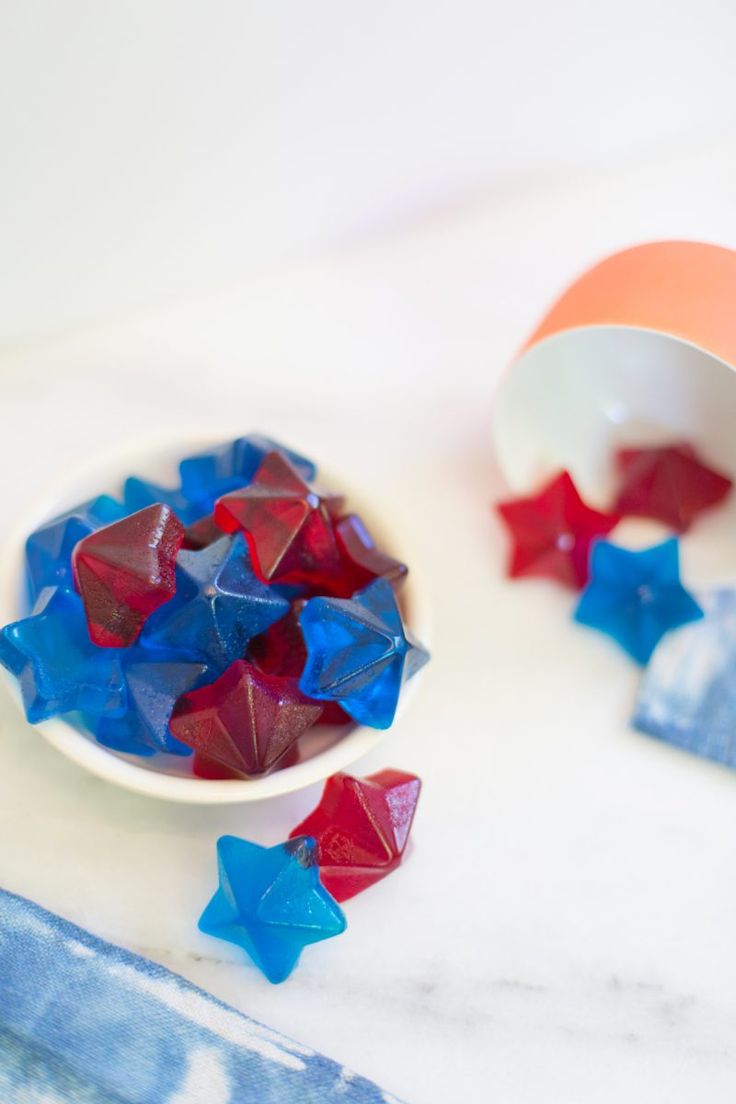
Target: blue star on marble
<point x="139" y="493"/>
<point x="209" y="475"/>
<point x="687" y="696"/>
<point x="271" y="902"/>
<point x="49" y="548"/>
<point x="218" y="607"/>
<point x="153" y="686"/>
<point x="57" y="665"/>
<point x="359" y="653"/>
<point x="636" y="597"/>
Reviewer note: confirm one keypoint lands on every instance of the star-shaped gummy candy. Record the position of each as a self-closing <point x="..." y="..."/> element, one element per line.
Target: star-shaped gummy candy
<point x="670" y="484"/>
<point x="219" y="605"/>
<point x="360" y="560"/>
<point x="361" y="826"/>
<point x="246" y="720"/>
<point x="209" y="475"/>
<point x="56" y="663"/>
<point x="49" y="549"/>
<point x="359" y="653"/>
<point x="271" y="902"/>
<point x="288" y="526"/>
<point x="636" y="597"/>
<point x="553" y="531"/>
<point x="125" y="571"/>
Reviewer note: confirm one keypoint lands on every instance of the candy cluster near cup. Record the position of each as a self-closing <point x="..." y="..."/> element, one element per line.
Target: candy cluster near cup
<point x="219" y="620"/>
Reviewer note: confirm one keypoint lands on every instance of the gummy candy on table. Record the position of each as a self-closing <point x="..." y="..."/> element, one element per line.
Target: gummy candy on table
<point x="287" y="524"/>
<point x="360" y="560"/>
<point x="361" y="827"/>
<point x="271" y="903"/>
<point x="219" y="605"/>
<point x="359" y="653"/>
<point x="553" y="531"/>
<point x="245" y="720"/>
<point x="211" y="474"/>
<point x="58" y="667"/>
<point x="125" y="571"/>
<point x="139" y="493"/>
<point x="49" y="548"/>
<point x="669" y="483"/>
<point x="153" y="687"/>
<point x="636" y="597"/>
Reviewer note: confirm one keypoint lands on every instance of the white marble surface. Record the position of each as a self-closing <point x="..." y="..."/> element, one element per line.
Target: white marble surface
<point x="563" y="928"/>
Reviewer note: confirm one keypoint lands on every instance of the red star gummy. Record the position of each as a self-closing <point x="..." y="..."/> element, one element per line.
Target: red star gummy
<point x="288" y="526"/>
<point x="125" y="571"/>
<point x="246" y="720"/>
<point x="553" y="531"/>
<point x="670" y="484"/>
<point x="360" y="561"/>
<point x="361" y="826"/>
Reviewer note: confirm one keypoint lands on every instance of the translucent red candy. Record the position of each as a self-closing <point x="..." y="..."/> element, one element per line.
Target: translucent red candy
<point x="553" y="531"/>
<point x="360" y="561"/>
<point x="201" y="533"/>
<point x="288" y="526"/>
<point x="246" y="721"/>
<point x="361" y="827"/>
<point x="125" y="571"/>
<point x="670" y="484"/>
<point x="281" y="650"/>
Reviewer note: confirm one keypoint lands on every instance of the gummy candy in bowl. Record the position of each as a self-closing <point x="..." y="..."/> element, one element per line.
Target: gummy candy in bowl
<point x="348" y="602"/>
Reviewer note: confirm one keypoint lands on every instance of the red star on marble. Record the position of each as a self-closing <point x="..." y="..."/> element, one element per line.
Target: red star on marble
<point x="669" y="483"/>
<point x="553" y="532"/>
<point x="361" y="826"/>
<point x="288" y="525"/>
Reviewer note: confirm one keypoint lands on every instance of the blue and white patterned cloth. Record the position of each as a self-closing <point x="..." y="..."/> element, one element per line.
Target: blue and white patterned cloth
<point x="84" y="1022"/>
<point x="687" y="695"/>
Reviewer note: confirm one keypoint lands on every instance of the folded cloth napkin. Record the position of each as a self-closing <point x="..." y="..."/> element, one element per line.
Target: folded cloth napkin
<point x="85" y="1022"/>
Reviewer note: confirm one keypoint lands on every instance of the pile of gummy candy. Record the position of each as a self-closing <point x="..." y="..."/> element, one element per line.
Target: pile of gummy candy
<point x="226" y="617"/>
<point x="637" y="597"/>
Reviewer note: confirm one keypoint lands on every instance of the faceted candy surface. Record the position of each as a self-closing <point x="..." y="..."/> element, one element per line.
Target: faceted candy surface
<point x="636" y="597"/>
<point x="271" y="903"/>
<point x="152" y="690"/>
<point x="553" y="532"/>
<point x="287" y="525"/>
<point x="219" y="605"/>
<point x="125" y="571"/>
<point x="202" y="533"/>
<point x="49" y="549"/>
<point x="209" y="475"/>
<point x="245" y="720"/>
<point x="670" y="484"/>
<point x="56" y="663"/>
<point x="358" y="653"/>
<point x="360" y="560"/>
<point x="361" y="827"/>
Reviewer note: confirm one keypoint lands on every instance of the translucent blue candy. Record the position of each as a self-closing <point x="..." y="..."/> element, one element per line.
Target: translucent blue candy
<point x="49" y="549"/>
<point x="271" y="902"/>
<point x="208" y="475"/>
<point x="152" y="689"/>
<point x="56" y="663"/>
<point x="636" y="597"/>
<point x="358" y="653"/>
<point x="218" y="607"/>
<point x="138" y="493"/>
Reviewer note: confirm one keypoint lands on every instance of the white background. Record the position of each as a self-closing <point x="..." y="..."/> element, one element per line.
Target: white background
<point x="563" y="928"/>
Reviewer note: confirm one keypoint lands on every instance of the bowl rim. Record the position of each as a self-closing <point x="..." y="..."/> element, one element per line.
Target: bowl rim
<point x="110" y="468"/>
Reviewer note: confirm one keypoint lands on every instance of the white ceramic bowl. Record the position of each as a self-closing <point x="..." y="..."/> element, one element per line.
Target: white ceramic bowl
<point x="168" y="776"/>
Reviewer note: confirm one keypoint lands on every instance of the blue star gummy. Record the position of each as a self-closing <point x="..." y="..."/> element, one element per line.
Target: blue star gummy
<point x="359" y="653"/>
<point x="636" y="597"/>
<point x="271" y="902"/>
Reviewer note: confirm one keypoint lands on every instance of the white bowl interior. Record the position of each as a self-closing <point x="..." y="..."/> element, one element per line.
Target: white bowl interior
<point x="327" y="750"/>
<point x="568" y="400"/>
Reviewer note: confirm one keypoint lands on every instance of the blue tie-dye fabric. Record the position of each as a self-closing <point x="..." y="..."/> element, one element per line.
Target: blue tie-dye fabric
<point x="84" y="1022"/>
<point x="688" y="693"/>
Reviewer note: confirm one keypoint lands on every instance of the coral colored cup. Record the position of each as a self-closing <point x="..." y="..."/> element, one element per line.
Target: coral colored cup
<point x="640" y="349"/>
